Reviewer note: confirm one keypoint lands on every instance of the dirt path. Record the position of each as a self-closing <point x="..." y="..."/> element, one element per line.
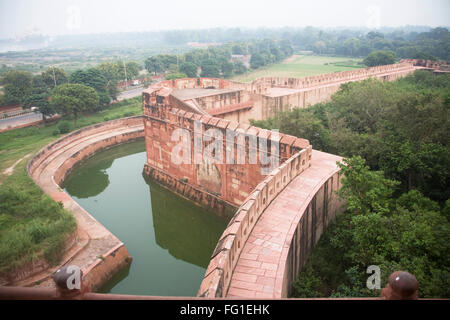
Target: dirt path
<point x="10" y="170"/>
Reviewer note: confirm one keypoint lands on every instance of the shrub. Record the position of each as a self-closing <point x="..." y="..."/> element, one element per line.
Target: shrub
<point x="64" y="127"/>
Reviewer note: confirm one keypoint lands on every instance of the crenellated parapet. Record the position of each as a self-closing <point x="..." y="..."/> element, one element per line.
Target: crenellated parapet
<point x="222" y="160"/>
<point x="229" y="248"/>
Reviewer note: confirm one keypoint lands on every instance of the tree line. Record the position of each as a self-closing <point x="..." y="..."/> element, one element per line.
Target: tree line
<point x="406" y="42"/>
<point x="216" y="61"/>
<point x="395" y="137"/>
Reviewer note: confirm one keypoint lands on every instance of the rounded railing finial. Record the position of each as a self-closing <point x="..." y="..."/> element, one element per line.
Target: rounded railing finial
<point x="69" y="281"/>
<point x="402" y="285"/>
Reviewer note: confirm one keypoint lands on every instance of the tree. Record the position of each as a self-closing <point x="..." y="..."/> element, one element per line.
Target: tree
<point x="286" y="47"/>
<point x="189" y="68"/>
<point x="227" y="69"/>
<point x="39" y="97"/>
<point x="16" y="86"/>
<point x="239" y="67"/>
<point x="154" y="65"/>
<point x="112" y="71"/>
<point x="74" y="99"/>
<point x="320" y="46"/>
<point x="210" y="69"/>
<point x="379" y="58"/>
<point x="91" y="77"/>
<point x="95" y="79"/>
<point x="239" y="48"/>
<point x="257" y="61"/>
<point x="54" y="76"/>
<point x="132" y="69"/>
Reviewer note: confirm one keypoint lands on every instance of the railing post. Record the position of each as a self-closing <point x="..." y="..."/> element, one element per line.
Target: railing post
<point x="69" y="283"/>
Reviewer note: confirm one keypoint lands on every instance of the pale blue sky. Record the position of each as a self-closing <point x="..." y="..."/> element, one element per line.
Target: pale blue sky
<point x="94" y="16"/>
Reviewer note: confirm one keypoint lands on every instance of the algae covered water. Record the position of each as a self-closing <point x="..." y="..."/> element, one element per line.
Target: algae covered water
<point x="169" y="238"/>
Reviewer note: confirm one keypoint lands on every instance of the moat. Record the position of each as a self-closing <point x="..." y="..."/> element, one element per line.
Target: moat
<point x="169" y="238"/>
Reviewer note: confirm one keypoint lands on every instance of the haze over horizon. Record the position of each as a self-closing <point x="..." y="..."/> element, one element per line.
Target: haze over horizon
<point x="64" y="17"/>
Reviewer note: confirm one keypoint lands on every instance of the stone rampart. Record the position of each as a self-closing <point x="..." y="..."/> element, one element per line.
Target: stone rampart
<point x="214" y="185"/>
<point x="226" y="254"/>
<point x="97" y="252"/>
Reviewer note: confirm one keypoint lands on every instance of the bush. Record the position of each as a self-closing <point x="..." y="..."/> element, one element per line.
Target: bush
<point x="177" y="75"/>
<point x="128" y="114"/>
<point x="31" y="225"/>
<point x="55" y="132"/>
<point x="64" y="127"/>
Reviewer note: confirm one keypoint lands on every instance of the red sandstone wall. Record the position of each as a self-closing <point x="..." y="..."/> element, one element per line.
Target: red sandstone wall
<point x="45" y="152"/>
<point x="318" y="89"/>
<point x="225" y="257"/>
<point x="231" y="183"/>
<point x="221" y="100"/>
<point x="436" y="65"/>
<point x="311" y="90"/>
<point x="191" y="83"/>
<point x="330" y="78"/>
<point x="309" y="227"/>
<point x="114" y="258"/>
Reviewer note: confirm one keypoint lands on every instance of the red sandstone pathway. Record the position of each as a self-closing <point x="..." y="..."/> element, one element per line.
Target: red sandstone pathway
<point x="281" y="91"/>
<point x="260" y="268"/>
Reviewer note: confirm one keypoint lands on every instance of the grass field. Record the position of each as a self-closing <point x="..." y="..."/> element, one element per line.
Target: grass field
<point x="32" y="225"/>
<point x="300" y="66"/>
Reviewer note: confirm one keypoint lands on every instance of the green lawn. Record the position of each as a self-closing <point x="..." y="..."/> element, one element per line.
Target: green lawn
<point x="300" y="66"/>
<point x="32" y="225"/>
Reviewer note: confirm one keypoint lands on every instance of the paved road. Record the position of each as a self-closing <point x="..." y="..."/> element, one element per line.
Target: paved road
<point x="33" y="117"/>
<point x="134" y="92"/>
<point x="20" y="120"/>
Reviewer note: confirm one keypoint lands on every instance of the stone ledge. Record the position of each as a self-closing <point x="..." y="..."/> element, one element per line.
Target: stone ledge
<point x="52" y="163"/>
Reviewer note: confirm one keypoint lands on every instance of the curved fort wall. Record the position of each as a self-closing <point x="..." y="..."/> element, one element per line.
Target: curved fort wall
<point x="219" y="186"/>
<point x="226" y="254"/>
<point x="97" y="251"/>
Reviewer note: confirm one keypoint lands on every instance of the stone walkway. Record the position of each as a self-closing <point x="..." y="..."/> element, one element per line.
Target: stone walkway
<point x="260" y="268"/>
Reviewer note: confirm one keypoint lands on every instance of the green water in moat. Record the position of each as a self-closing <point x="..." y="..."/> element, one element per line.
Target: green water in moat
<point x="169" y="238"/>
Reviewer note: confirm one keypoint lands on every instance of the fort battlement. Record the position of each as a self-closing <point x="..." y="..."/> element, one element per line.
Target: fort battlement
<point x="218" y="186"/>
<point x="264" y="97"/>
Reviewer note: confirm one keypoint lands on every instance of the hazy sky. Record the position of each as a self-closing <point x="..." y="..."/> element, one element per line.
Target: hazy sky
<point x="93" y="16"/>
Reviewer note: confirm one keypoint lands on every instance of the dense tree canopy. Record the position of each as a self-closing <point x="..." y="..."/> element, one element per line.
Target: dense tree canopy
<point x="95" y="79"/>
<point x="39" y="97"/>
<point x="74" y="99"/>
<point x="379" y="58"/>
<point x="16" y="86"/>
<point x="216" y="61"/>
<point x="189" y="68"/>
<point x="53" y="77"/>
<point x="397" y="182"/>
